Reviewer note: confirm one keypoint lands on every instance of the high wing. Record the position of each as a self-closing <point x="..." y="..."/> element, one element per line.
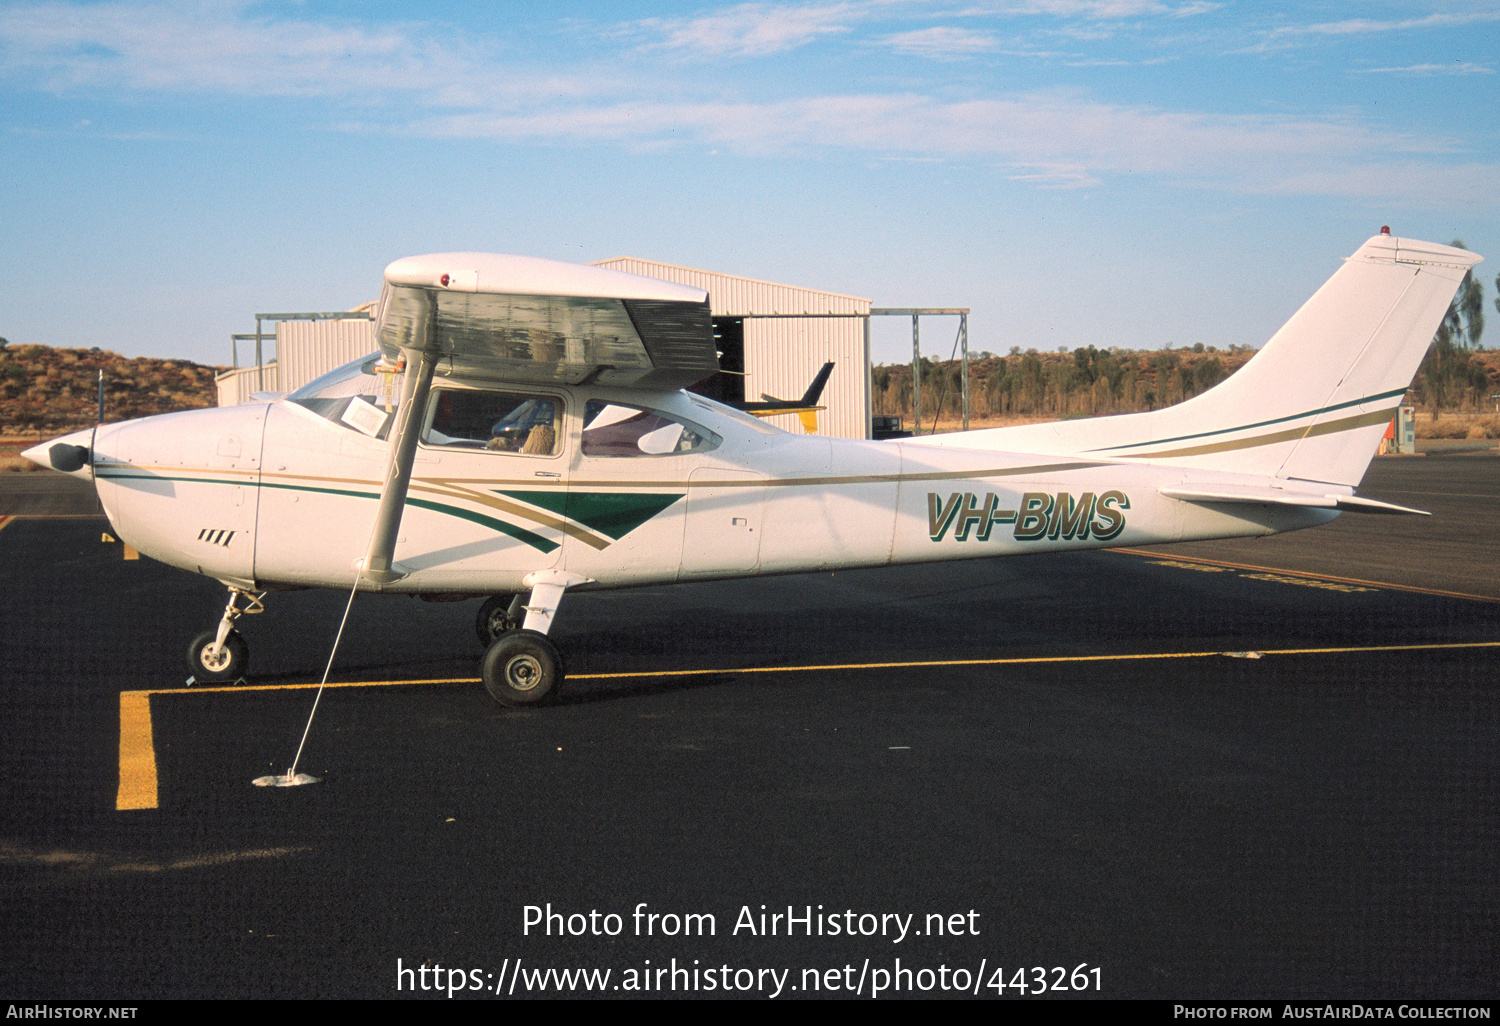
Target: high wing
<point x="530" y="320"/>
<point x="533" y="320"/>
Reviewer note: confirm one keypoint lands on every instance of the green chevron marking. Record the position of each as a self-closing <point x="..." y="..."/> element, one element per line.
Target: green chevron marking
<point x="612" y="514"/>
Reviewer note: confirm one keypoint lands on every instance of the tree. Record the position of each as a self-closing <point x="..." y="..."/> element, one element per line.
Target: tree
<point x="1463" y="324"/>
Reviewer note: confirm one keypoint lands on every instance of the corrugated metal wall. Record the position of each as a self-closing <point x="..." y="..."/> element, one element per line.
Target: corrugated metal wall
<point x="236" y="386"/>
<point x="306" y="349"/>
<point x="783" y="354"/>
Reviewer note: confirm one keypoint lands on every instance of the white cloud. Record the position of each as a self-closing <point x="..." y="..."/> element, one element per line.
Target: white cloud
<point x="1050" y="139"/>
<point x="1352" y="26"/>
<point x="1456" y="68"/>
<point x="755" y="29"/>
<point x="1098" y="10"/>
<point x="942" y="42"/>
<point x="760" y="28"/>
<point x="1364" y="26"/>
<point x="224" y="49"/>
<point x="411" y="79"/>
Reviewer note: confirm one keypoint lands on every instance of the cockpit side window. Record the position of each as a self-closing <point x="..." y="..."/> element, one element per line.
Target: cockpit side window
<point x="362" y="395"/>
<point x="614" y="429"/>
<point x="514" y="422"/>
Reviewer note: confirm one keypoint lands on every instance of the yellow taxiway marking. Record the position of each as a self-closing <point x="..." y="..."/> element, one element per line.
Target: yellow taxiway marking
<point x="1355" y="581"/>
<point x="5" y="522"/>
<point x="138" y="754"/>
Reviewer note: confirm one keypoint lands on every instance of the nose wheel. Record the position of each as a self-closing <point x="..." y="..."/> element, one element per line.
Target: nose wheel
<point x="221" y="654"/>
<point x="211" y="662"/>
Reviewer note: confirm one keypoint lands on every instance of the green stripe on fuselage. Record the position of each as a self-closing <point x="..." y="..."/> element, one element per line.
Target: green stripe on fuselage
<point x="536" y="541"/>
<point x="613" y="514"/>
<point x="1258" y="424"/>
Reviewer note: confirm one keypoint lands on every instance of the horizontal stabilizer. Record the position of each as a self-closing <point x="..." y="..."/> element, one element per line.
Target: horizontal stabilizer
<point x="1260" y="495"/>
<point x="1355" y="504"/>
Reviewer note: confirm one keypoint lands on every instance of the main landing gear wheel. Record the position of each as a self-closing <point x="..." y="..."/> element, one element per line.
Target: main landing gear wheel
<point x="228" y="664"/>
<point x="522" y="668"/>
<point x="494" y="619"/>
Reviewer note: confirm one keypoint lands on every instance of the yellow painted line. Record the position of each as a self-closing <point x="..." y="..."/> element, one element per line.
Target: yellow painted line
<point x="1312" y="576"/>
<point x="131" y="553"/>
<point x="138" y="752"/>
<point x="1030" y="660"/>
<point x="138" y="755"/>
<point x="5" y="522"/>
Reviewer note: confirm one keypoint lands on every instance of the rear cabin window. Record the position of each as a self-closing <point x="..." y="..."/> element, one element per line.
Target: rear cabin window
<point x="613" y="429"/>
<point x="513" y="422"/>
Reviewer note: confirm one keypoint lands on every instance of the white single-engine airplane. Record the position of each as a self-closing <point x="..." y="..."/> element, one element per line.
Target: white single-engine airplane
<point x="524" y="431"/>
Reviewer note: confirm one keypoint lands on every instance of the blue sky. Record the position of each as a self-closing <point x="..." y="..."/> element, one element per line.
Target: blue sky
<point x="1110" y="172"/>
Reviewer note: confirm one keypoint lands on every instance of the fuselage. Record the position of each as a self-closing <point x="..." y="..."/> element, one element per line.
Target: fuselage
<point x="284" y="494"/>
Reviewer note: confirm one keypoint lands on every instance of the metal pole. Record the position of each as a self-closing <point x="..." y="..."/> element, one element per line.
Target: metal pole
<point x="869" y="384"/>
<point x="260" y="370"/>
<point x="101" y="396"/>
<point x="916" y="377"/>
<point x="963" y="335"/>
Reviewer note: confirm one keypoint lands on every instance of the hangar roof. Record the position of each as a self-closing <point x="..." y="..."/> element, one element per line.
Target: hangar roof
<point x="732" y="295"/>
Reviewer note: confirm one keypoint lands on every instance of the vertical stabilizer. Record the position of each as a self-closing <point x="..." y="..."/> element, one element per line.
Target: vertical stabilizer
<point x="1312" y="404"/>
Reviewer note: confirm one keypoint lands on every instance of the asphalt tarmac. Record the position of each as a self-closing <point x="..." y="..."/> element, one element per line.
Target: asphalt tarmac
<point x="1321" y="821"/>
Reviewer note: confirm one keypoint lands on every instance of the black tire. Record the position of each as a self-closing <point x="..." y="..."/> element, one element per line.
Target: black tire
<point x="522" y="668"/>
<point x="233" y="658"/>
<point x="494" y="619"/>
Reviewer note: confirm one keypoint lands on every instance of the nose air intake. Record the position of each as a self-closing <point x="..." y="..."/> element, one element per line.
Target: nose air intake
<point x="67" y="458"/>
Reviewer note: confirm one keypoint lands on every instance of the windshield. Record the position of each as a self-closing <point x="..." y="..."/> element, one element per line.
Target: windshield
<point x="360" y="395"/>
<point x="743" y="418"/>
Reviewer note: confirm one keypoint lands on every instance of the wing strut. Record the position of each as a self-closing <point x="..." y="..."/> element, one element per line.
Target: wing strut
<point x="376" y="566"/>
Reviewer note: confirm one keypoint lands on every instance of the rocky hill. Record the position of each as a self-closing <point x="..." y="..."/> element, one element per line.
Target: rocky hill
<point x="47" y="391"/>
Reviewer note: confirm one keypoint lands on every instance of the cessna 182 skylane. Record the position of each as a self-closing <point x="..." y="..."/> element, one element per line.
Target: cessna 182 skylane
<point x="524" y="432"/>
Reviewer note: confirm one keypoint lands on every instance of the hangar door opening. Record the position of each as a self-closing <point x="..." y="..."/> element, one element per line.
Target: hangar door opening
<point x="727" y="386"/>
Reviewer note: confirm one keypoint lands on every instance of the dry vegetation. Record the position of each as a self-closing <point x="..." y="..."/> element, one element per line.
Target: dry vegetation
<point x="1458" y="425"/>
<point x="48" y="391"/>
<point x="1451" y="391"/>
<point x="45" y="392"/>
